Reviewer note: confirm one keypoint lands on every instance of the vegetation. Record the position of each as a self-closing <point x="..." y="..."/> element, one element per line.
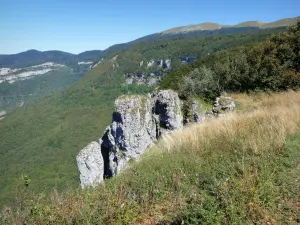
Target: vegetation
<point x="242" y="170"/>
<point x="42" y="140"/>
<point x="27" y="91"/>
<point x="271" y="65"/>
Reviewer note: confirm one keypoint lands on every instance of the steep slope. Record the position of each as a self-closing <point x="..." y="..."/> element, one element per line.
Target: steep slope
<point x="42" y="140"/>
<point x="243" y="169"/>
<point x="22" y="86"/>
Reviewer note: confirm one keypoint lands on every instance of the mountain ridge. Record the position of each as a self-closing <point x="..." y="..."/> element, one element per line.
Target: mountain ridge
<point x="216" y="26"/>
<point x="34" y="57"/>
<point x="193" y="30"/>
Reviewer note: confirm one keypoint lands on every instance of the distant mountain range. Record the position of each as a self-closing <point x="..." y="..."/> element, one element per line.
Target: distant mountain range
<point x="216" y="26"/>
<point x="34" y="57"/>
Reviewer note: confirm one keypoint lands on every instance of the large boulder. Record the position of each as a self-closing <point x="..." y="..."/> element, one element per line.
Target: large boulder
<point x="90" y="165"/>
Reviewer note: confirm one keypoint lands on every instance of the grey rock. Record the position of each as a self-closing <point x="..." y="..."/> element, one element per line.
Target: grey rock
<point x="167" y="109"/>
<point x="153" y="80"/>
<point x="129" y="81"/>
<point x="137" y="122"/>
<point x="2" y="114"/>
<point x="223" y="104"/>
<point x="149" y="64"/>
<point x="168" y="63"/>
<point x="197" y="115"/>
<point x="90" y="165"/>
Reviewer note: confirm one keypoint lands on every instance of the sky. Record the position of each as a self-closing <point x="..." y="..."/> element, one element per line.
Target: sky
<point x="79" y="25"/>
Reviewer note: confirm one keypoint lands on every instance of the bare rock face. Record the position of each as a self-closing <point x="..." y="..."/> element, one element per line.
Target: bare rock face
<point x="90" y="165"/>
<point x="167" y="111"/>
<point x="132" y="130"/>
<point x="137" y="122"/>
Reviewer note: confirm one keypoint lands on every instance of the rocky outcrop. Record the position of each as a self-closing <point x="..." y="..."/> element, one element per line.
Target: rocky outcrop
<point x="137" y="122"/>
<point x="151" y="63"/>
<point x="223" y="104"/>
<point x="2" y="114"/>
<point x="167" y="110"/>
<point x="197" y="117"/>
<point x="90" y="165"/>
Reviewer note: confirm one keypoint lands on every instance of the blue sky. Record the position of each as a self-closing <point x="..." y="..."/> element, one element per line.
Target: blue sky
<point x="79" y="25"/>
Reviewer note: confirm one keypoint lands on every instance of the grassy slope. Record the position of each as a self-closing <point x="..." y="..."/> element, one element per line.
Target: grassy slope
<point x="43" y="139"/>
<point x="241" y="170"/>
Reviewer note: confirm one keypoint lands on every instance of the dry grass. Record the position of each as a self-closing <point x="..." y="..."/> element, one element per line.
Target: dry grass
<point x="264" y="118"/>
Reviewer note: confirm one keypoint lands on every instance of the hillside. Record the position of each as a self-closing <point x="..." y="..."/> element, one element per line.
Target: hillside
<point x="271" y="65"/>
<point x="43" y="139"/>
<point x="21" y="86"/>
<point x="242" y="169"/>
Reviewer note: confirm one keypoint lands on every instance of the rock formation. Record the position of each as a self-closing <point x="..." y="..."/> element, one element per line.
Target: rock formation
<point x="223" y="104"/>
<point x="2" y="114"/>
<point x="90" y="165"/>
<point x="137" y="122"/>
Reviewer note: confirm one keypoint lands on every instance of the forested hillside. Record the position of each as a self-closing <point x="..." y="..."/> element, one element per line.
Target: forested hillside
<point x="271" y="65"/>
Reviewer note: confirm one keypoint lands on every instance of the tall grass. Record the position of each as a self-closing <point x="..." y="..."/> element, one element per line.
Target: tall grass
<point x="230" y="171"/>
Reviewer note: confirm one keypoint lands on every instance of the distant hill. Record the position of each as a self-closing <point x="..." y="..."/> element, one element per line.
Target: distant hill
<point x="35" y="57"/>
<point x="215" y="26"/>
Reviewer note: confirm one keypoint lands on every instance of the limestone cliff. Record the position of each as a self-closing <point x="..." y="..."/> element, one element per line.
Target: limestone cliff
<point x="137" y="122"/>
